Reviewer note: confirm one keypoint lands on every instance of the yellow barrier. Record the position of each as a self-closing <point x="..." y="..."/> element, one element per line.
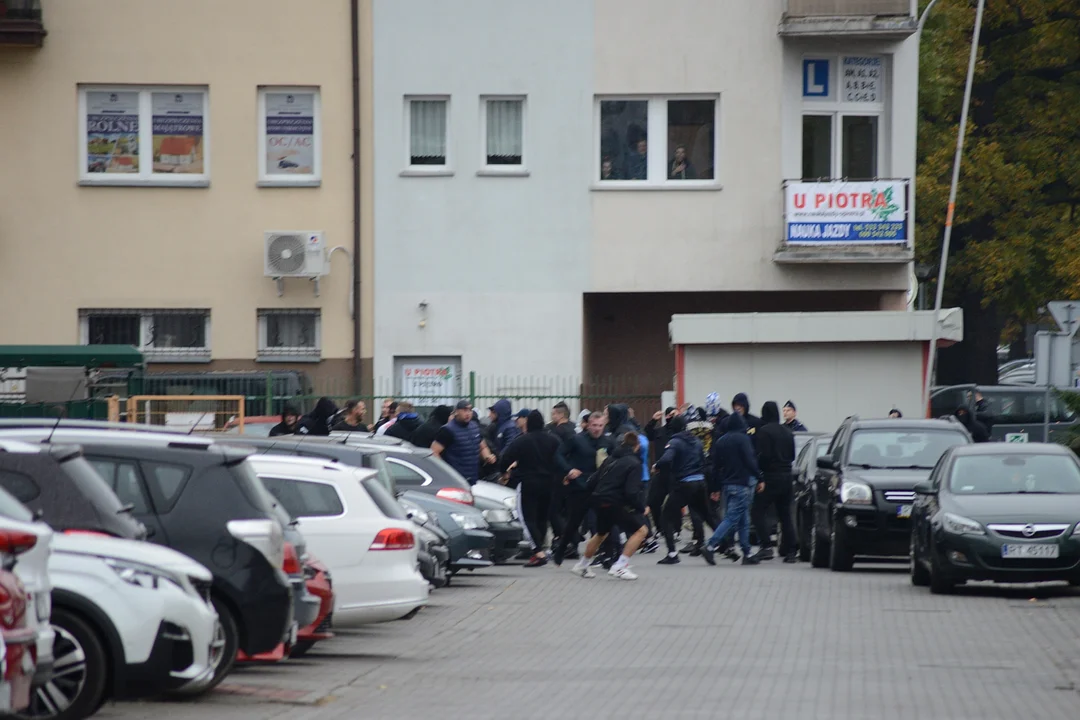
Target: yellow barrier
<point x="188" y="413"/>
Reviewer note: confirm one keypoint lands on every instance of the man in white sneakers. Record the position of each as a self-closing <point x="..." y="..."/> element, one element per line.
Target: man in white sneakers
<point x="616" y="500"/>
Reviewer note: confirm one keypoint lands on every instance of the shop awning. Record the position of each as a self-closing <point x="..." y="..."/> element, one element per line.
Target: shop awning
<point x="88" y="356"/>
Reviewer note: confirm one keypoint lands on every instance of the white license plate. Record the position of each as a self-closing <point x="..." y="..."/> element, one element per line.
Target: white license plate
<point x="1030" y="551"/>
<point x="903" y="511"/>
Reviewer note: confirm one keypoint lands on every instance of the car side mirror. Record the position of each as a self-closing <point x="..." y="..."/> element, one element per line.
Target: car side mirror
<point x="826" y="463"/>
<point x="924" y="488"/>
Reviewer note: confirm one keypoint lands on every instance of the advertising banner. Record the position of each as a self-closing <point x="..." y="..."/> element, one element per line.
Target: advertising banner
<point x="846" y="213"/>
<point x="434" y="382"/>
<point x="290" y="133"/>
<point x="177" y="132"/>
<point x="112" y="132"/>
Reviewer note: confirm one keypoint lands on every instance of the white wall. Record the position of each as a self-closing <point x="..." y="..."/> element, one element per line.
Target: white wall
<point x="827" y="382"/>
<point x="501" y="261"/>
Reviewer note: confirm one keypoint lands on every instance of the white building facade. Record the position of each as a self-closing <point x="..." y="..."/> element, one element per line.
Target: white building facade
<point x="552" y="182"/>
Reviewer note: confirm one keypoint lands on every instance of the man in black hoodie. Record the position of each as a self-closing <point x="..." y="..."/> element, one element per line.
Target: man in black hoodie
<point x="406" y="424"/>
<point x="424" y="435"/>
<point x="735" y="474"/>
<point x="317" y="422"/>
<point x="978" y="431"/>
<point x="775" y="452"/>
<point x="683" y="462"/>
<point x="616" y="499"/>
<point x="290" y="418"/>
<point x="538" y="464"/>
<point x="741" y="404"/>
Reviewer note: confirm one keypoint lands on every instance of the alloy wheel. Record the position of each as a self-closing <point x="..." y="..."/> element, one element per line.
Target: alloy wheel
<point x="217" y="646"/>
<point x="67" y="681"/>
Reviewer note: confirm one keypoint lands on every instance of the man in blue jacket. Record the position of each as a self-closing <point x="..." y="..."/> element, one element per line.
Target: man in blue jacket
<point x="505" y="426"/>
<point x="683" y="462"/>
<point x="735" y="472"/>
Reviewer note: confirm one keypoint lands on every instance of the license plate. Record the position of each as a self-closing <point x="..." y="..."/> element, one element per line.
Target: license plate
<point x="1030" y="551"/>
<point x="903" y="511"/>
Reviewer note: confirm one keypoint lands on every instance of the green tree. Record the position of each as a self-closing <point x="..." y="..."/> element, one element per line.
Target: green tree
<point x="1016" y="235"/>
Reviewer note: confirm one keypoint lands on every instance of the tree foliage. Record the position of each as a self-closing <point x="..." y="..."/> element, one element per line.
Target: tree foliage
<point x="1016" y="235"/>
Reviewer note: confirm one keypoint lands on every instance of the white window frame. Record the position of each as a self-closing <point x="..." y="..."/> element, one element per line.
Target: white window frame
<point x="521" y="170"/>
<point x="288" y="354"/>
<point x="444" y="170"/>
<point x="145" y="177"/>
<point x="267" y="179"/>
<point x="657" y="120"/>
<point x="146" y="328"/>
<point x="836" y="108"/>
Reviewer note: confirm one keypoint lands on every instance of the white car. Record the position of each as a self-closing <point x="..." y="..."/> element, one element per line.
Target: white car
<point x="33" y="569"/>
<point x="143" y="607"/>
<point x="354" y="526"/>
<point x="498" y="493"/>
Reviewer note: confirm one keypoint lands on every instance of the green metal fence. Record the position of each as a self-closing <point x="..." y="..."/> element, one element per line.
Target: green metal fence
<point x="95" y="409"/>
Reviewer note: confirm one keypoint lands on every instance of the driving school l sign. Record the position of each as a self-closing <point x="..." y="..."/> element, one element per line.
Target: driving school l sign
<point x="846" y="213"/>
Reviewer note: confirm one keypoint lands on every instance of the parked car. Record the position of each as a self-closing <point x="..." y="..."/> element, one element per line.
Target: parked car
<point x="58" y="482"/>
<point x="468" y="539"/>
<point x="358" y="529"/>
<point x="1008" y="410"/>
<point x="1005" y="512"/>
<point x="18" y="633"/>
<point x="864" y="486"/>
<point x="320" y="583"/>
<point x="202" y="499"/>
<point x="433" y="553"/>
<point x="132" y="619"/>
<point x="814" y="445"/>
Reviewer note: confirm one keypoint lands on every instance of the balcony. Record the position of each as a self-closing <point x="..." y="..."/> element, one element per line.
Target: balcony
<point x="893" y="19"/>
<point x="20" y="23"/>
<point x="845" y="221"/>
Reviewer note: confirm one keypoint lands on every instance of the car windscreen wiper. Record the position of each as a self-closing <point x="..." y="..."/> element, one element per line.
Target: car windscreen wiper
<point x="910" y="467"/>
<point x="867" y="466"/>
<point x="1025" y="492"/>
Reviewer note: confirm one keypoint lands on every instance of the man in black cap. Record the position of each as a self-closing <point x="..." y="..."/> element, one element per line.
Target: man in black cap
<point x="791" y="421"/>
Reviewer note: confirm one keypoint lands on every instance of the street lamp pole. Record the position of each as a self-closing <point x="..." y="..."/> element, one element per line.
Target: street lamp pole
<point x="943" y="264"/>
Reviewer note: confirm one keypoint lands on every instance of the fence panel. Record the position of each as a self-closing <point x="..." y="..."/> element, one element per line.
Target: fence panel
<point x="188" y="413"/>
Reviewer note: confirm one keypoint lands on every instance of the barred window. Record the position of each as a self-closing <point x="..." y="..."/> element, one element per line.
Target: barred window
<point x="290" y="335"/>
<point x="161" y="335"/>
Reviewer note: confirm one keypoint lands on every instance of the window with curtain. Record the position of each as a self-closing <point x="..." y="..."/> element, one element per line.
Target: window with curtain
<point x="505" y="132"/>
<point x="427" y="132"/>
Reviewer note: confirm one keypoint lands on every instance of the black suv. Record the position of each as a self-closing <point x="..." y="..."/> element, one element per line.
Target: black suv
<point x="204" y="500"/>
<point x="864" y="487"/>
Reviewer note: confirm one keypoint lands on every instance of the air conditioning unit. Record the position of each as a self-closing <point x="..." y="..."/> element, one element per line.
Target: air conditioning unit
<point x="300" y="253"/>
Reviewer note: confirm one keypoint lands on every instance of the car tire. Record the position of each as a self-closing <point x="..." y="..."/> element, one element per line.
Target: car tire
<point x="76" y="643"/>
<point x="819" y="550"/>
<point x="920" y="576"/>
<point x="940" y="584"/>
<point x="804" y="536"/>
<point x="840" y="557"/>
<point x="231" y="631"/>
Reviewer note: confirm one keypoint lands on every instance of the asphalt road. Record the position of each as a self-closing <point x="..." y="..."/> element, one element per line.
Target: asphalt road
<point x="689" y="641"/>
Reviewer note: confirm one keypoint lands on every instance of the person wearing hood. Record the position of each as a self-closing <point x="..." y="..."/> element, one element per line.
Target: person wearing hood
<point x="977" y="430"/>
<point x="537" y="463"/>
<point x="504" y="428"/>
<point x="735" y="474"/>
<point x="620" y="422"/>
<point x="406" y="423"/>
<point x="741" y="404"/>
<point x="424" y="435"/>
<point x="775" y="446"/>
<point x="699" y="425"/>
<point x="290" y="417"/>
<point x="895" y="414"/>
<point x="683" y="461"/>
<point x="317" y="422"/>
<point x="791" y="419"/>
<point x="615" y="491"/>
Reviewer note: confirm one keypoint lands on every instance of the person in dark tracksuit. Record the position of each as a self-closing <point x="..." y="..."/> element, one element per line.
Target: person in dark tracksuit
<point x="735" y="474"/>
<point x="683" y="461"/>
<point x="580" y="459"/>
<point x="536" y="454"/>
<point x="317" y="422"/>
<point x="290" y="418"/>
<point x="564" y="431"/>
<point x="775" y="446"/>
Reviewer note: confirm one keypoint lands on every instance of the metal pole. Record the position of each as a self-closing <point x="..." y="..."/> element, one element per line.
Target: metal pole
<point x="1046" y="395"/>
<point x="943" y="265"/>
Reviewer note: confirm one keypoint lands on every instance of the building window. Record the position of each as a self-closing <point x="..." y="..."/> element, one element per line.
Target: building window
<point x="143" y="136"/>
<point x="161" y="335"/>
<point x="290" y="335"/>
<point x="680" y="132"/>
<point x="843" y="119"/>
<point x="428" y="121"/>
<point x="290" y="137"/>
<point x="504" y="133"/>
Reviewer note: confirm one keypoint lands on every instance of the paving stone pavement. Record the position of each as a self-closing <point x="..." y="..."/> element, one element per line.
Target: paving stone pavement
<point x="689" y="641"/>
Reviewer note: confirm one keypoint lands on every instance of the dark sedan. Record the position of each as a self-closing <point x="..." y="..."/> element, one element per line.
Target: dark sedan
<point x="812" y="447"/>
<point x="1005" y="512"/>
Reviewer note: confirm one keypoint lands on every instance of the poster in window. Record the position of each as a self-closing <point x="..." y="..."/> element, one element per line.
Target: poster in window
<point x="112" y="132"/>
<point x="178" y="132"/>
<point x="862" y="79"/>
<point x="290" y="134"/>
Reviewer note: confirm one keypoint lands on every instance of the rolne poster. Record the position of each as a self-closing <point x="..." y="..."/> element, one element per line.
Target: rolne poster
<point x="112" y="132"/>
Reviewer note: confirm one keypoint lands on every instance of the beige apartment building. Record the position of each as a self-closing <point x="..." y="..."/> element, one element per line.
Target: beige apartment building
<point x="180" y="177"/>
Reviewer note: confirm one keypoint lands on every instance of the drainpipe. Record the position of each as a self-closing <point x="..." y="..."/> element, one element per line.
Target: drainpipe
<point x="354" y="8"/>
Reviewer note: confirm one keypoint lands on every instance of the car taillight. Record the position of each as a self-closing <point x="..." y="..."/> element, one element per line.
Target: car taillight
<point x="16" y="542"/>
<point x="292" y="562"/>
<point x="266" y="536"/>
<point x="456" y="495"/>
<point x="393" y="539"/>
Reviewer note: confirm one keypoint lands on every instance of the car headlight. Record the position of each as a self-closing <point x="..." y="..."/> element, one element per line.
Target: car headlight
<point x="144" y="576"/>
<point x="416" y="513"/>
<point x="470" y="521"/>
<point x="856" y="493"/>
<point x="498" y="516"/>
<point x="959" y="525"/>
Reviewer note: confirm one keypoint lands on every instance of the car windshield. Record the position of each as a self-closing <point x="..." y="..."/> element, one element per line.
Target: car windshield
<point x="1017" y="474"/>
<point x="900" y="449"/>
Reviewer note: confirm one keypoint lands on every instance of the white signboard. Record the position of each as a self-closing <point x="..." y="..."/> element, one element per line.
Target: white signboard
<point x="861" y="78"/>
<point x="1017" y="437"/>
<point x="430" y="381"/>
<point x="846" y="213"/>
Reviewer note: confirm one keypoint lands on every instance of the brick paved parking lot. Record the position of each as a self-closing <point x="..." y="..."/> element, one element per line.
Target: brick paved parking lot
<point x="776" y="641"/>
